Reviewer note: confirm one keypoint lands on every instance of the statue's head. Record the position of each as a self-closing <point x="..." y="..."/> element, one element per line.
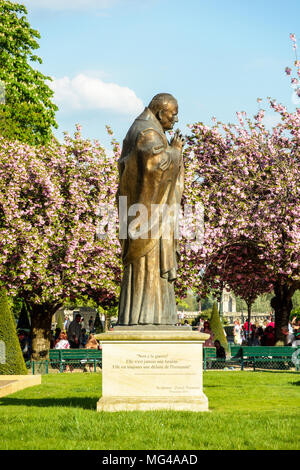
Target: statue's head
<point x="165" y="108"/>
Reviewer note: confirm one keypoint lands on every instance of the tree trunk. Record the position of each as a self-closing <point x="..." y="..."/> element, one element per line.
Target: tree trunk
<point x="282" y="304"/>
<point x="41" y="319"/>
<point x="249" y="305"/>
<point x="107" y="323"/>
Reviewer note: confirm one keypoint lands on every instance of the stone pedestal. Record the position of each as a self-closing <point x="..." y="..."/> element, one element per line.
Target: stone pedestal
<point x="152" y="370"/>
<point x="13" y="383"/>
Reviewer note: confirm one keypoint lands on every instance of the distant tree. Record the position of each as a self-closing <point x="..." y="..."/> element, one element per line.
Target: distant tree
<point x="250" y="192"/>
<point x="13" y="363"/>
<point x="189" y="303"/>
<point x="50" y="245"/>
<point x="27" y="113"/>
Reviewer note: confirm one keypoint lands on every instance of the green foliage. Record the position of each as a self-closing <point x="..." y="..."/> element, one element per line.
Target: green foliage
<point x="260" y="305"/>
<point x="229" y="330"/>
<point x="207" y="303"/>
<point x="16" y="305"/>
<point x="60" y="321"/>
<point x="80" y="301"/>
<point x="14" y="362"/>
<point x="27" y="113"/>
<point x="296" y="299"/>
<point x="188" y="304"/>
<point x="23" y="322"/>
<point x="295" y="313"/>
<point x="206" y="314"/>
<point x="182" y="306"/>
<point x="216" y="326"/>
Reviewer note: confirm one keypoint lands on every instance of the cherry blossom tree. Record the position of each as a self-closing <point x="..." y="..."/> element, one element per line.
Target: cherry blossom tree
<point x="247" y="178"/>
<point x="52" y="245"/>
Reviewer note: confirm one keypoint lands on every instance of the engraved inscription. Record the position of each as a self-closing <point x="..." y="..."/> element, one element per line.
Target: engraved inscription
<point x="157" y="370"/>
<point x="154" y="361"/>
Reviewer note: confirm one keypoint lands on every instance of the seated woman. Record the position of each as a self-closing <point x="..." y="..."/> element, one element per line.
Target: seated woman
<point x="220" y="351"/>
<point x="92" y="343"/>
<point x="62" y="341"/>
<point x="296" y="331"/>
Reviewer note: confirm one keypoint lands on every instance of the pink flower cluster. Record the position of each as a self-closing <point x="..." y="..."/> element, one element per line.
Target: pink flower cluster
<point x="247" y="179"/>
<point x="49" y="201"/>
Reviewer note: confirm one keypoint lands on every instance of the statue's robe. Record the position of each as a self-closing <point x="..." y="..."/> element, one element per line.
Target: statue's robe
<point x="150" y="173"/>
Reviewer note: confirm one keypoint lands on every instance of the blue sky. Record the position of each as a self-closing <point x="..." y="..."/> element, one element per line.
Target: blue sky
<point x="110" y="57"/>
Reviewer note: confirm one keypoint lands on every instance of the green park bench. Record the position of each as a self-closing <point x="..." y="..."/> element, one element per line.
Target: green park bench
<point x="76" y="358"/>
<point x="210" y="359"/>
<point x="275" y="357"/>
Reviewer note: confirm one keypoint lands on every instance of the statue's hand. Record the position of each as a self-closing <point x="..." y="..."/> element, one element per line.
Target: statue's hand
<point x="178" y="140"/>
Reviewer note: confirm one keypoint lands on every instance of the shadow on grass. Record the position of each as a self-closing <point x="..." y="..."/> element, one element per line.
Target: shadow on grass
<point x="71" y="402"/>
<point x="277" y="371"/>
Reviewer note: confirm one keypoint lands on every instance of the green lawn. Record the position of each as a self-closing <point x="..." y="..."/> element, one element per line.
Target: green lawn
<point x="250" y="410"/>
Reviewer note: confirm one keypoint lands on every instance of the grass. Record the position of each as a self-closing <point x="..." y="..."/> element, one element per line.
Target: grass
<point x="250" y="410"/>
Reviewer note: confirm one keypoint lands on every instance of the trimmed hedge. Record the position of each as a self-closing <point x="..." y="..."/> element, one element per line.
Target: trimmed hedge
<point x="217" y="327"/>
<point x="14" y="362"/>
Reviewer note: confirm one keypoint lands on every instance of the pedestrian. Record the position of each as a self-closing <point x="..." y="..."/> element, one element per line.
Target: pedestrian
<point x="84" y="338"/>
<point x="269" y="336"/>
<point x="237" y="332"/>
<point x="25" y="345"/>
<point x="74" y="332"/>
<point x="66" y="323"/>
<point x="296" y="330"/>
<point x="254" y="338"/>
<point x="91" y="324"/>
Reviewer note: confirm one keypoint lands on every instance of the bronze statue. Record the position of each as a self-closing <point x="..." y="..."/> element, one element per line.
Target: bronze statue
<point x="151" y="175"/>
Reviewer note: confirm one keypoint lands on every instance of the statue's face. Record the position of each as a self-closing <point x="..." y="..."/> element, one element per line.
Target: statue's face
<point x="169" y="116"/>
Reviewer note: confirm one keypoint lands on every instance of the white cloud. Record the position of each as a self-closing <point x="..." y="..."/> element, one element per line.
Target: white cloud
<point x="69" y="4"/>
<point x="84" y="92"/>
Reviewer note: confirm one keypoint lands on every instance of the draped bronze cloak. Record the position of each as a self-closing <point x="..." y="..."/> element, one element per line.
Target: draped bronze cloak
<point x="150" y="173"/>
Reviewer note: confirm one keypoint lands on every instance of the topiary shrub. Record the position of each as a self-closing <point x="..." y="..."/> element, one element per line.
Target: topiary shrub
<point x="60" y="322"/>
<point x="11" y="361"/>
<point x="217" y="327"/>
